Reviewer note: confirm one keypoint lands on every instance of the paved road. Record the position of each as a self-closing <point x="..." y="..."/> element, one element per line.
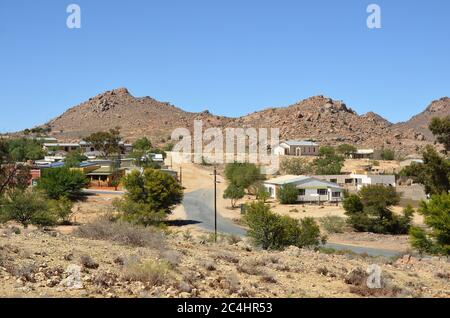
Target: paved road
<point x="199" y="207"/>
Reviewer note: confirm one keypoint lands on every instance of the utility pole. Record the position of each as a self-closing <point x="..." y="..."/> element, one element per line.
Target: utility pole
<point x="181" y="175"/>
<point x="215" y="204"/>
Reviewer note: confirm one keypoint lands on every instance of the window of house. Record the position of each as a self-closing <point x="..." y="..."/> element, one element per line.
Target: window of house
<point x="322" y="191"/>
<point x="348" y="181"/>
<point x="301" y="191"/>
<point x="333" y="180"/>
<point x="336" y="194"/>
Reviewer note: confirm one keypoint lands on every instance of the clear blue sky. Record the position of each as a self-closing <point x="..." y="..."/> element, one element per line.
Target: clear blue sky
<point x="229" y="56"/>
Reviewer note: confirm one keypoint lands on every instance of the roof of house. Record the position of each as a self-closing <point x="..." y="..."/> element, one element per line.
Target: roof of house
<point x="300" y="143"/>
<point x="364" y="151"/>
<point x="60" y="145"/>
<point x="305" y="181"/>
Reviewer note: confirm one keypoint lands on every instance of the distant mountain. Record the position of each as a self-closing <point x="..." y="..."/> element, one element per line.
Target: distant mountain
<point x="419" y="123"/>
<point x="320" y="118"/>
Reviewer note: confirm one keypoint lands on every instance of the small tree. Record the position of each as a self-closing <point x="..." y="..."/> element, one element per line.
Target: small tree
<point x="107" y="142"/>
<point x="295" y="166"/>
<point x="435" y="239"/>
<point x="262" y="194"/>
<point x="149" y="196"/>
<point x="387" y="154"/>
<point x="234" y="193"/>
<point x="142" y="144"/>
<point x="242" y="174"/>
<point x="433" y="173"/>
<point x="326" y="151"/>
<point x="440" y="127"/>
<point x="62" y="182"/>
<point x="27" y="208"/>
<point x="346" y="149"/>
<point x="62" y="209"/>
<point x="370" y="211"/>
<point x="288" y="194"/>
<point x="74" y="158"/>
<point x="272" y="231"/>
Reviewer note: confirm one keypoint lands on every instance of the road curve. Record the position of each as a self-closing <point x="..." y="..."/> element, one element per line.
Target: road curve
<point x="199" y="207"/>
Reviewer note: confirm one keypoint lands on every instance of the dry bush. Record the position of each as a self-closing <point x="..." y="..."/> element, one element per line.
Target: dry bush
<point x="322" y="270"/>
<point x="358" y="281"/>
<point x="267" y="278"/>
<point x="334" y="224"/>
<point x="250" y="269"/>
<point x="226" y="256"/>
<point x="87" y="262"/>
<point x="172" y="257"/>
<point x="25" y="271"/>
<point x="233" y="239"/>
<point x="443" y="275"/>
<point x="150" y="271"/>
<point x="123" y="233"/>
<point x="105" y="280"/>
<point x="208" y="265"/>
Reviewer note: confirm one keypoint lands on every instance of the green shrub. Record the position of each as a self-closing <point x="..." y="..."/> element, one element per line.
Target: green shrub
<point x="435" y="239"/>
<point x="370" y="211"/>
<point x="27" y="207"/>
<point x="62" y="209"/>
<point x="272" y="231"/>
<point x="288" y="194"/>
<point x="150" y="196"/>
<point x="62" y="182"/>
<point x="234" y="193"/>
<point x="333" y="224"/>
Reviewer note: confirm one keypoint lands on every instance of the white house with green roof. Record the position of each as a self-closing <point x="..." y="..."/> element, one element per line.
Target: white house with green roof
<point x="309" y="189"/>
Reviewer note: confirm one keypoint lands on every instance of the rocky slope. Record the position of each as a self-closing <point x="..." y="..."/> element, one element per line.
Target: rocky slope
<point x="36" y="263"/>
<point x="320" y="118"/>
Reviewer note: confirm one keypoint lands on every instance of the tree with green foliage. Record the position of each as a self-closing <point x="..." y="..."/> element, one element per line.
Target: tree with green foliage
<point x="370" y="211"/>
<point x="242" y="174"/>
<point x="74" y="158"/>
<point x="107" y="142"/>
<point x="150" y="196"/>
<point x="326" y="151"/>
<point x="143" y="144"/>
<point x="62" y="182"/>
<point x="328" y="164"/>
<point x="296" y="166"/>
<point x="387" y="154"/>
<point x="26" y="207"/>
<point x="433" y="173"/>
<point x="272" y="231"/>
<point x="234" y="193"/>
<point x="262" y="194"/>
<point x="435" y="239"/>
<point x="346" y="149"/>
<point x="23" y="149"/>
<point x="288" y="194"/>
<point x="440" y="127"/>
<point x="62" y="209"/>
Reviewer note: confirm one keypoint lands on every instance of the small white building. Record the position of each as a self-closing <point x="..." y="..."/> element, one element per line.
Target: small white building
<point x="309" y="189"/>
<point x="363" y="154"/>
<point x="357" y="181"/>
<point x="297" y="148"/>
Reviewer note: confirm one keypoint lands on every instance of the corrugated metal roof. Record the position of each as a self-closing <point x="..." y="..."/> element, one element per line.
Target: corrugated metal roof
<point x="300" y="143"/>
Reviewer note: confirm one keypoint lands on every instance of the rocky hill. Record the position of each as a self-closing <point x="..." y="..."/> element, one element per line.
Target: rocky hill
<point x="319" y="118"/>
<point x="418" y="124"/>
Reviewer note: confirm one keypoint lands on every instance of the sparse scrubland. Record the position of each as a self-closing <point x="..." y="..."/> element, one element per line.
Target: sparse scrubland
<point x="123" y="260"/>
